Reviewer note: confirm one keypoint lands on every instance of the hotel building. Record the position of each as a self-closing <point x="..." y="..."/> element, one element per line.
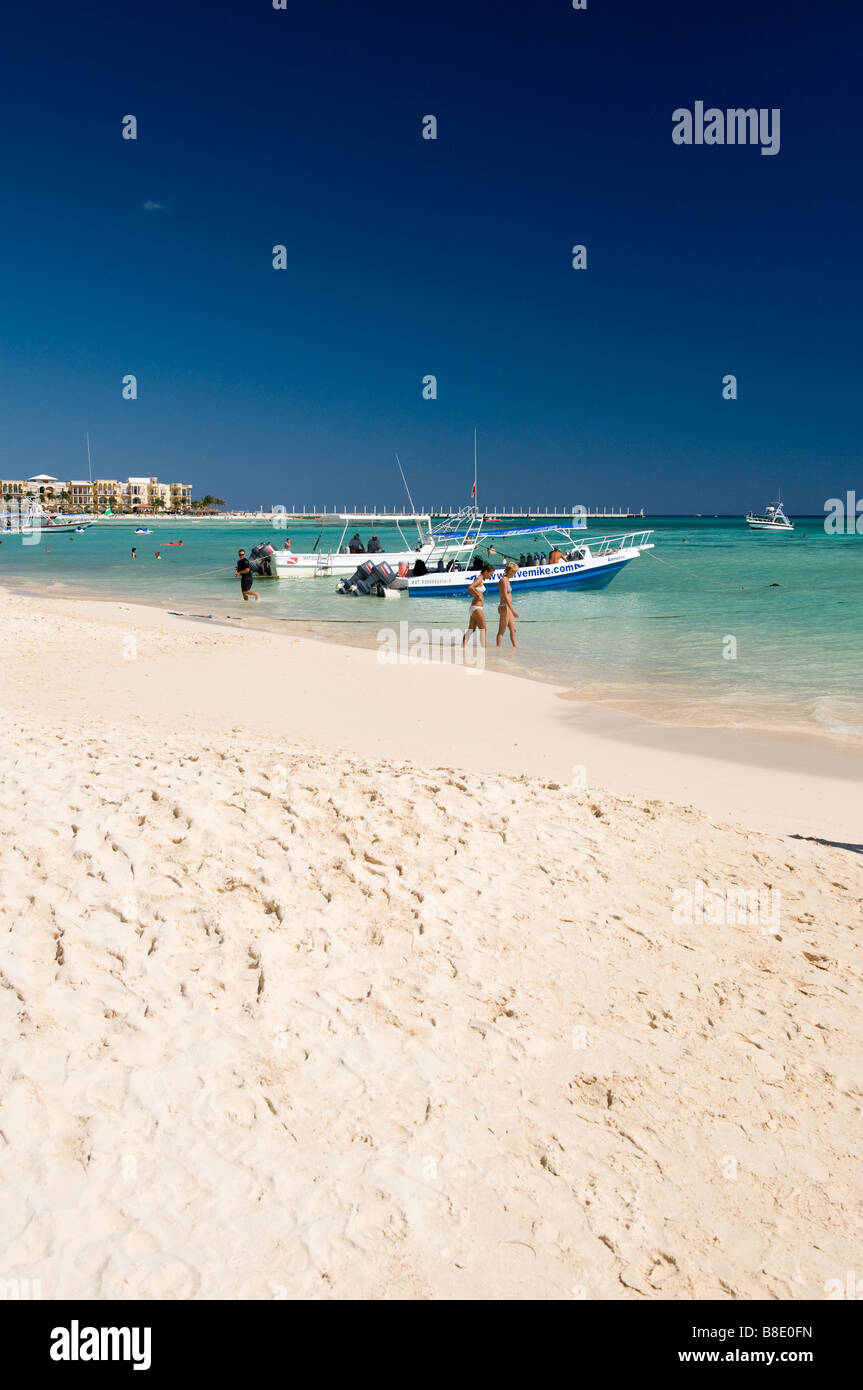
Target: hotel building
<point x="80" y="495"/>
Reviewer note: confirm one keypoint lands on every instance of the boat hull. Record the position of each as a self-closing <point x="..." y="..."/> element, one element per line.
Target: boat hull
<point x="574" y="574"/>
<point x="285" y="564"/>
<point x="43" y="529"/>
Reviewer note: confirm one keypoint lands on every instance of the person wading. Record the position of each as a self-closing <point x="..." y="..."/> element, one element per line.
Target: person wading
<point x="245" y="575"/>
<point x="508" y="614"/>
<point x="476" y="616"/>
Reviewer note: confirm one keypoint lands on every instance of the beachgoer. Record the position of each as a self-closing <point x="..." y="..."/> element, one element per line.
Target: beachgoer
<point x="158" y="554"/>
<point x="134" y="552"/>
<point x="244" y="572"/>
<point x="355" y="545"/>
<point x="508" y="614"/>
<point x="375" y="547"/>
<point x="287" y="544"/>
<point x="476" y="616"/>
<point x="556" y="557"/>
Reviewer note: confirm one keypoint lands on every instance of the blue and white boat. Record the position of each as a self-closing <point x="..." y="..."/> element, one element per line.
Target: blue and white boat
<point x="578" y="564"/>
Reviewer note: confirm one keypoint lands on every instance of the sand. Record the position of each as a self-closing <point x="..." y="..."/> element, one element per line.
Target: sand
<point x="328" y="979"/>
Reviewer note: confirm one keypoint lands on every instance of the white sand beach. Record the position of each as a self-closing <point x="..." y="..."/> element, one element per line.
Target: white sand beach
<point x="329" y="979"/>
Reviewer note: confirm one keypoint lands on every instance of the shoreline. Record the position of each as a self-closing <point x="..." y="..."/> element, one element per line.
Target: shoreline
<point x="780" y="782"/>
<point x="812" y="740"/>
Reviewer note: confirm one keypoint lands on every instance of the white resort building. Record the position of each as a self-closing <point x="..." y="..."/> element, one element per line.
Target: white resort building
<point x="101" y="495"/>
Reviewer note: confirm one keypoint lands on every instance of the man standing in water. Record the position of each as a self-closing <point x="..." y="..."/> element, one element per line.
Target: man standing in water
<point x="244" y="572"/>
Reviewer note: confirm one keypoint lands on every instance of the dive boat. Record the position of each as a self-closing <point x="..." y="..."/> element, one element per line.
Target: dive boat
<point x="774" y="519"/>
<point x="580" y="565"/>
<point x="341" y="560"/>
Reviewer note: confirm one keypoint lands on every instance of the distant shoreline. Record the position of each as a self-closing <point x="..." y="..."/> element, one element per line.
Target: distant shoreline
<point x="333" y="518"/>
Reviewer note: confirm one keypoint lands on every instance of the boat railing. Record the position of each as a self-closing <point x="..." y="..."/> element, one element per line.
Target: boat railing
<point x="607" y="545"/>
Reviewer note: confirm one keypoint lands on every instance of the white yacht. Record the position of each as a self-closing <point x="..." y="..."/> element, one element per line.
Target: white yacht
<point x="774" y="519"/>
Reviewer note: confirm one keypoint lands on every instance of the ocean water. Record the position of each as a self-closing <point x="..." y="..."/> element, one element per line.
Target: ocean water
<point x="716" y="626"/>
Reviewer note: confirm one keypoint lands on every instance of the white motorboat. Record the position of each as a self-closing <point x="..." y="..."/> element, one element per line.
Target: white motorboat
<point x="571" y="563"/>
<point x="323" y="563"/>
<point x="27" y="522"/>
<point x="774" y="519"/>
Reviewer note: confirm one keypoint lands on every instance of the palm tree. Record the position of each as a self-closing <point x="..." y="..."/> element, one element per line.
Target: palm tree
<point x="208" y="502"/>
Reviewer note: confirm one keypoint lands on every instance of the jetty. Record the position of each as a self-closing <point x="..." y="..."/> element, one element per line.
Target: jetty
<point x="373" y="514"/>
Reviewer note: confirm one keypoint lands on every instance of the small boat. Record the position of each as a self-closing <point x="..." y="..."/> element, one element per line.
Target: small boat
<point x="143" y="531"/>
<point x="580" y="566"/>
<point x="774" y="519"/>
<point x="24" y="522"/>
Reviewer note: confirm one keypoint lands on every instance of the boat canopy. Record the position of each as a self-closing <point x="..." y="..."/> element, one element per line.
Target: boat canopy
<point x="537" y="530"/>
<point x="375" y="517"/>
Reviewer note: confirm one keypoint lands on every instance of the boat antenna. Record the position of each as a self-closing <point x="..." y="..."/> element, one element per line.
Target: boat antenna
<point x="405" y="481"/>
<point x="475" y="499"/>
<point x="89" y="460"/>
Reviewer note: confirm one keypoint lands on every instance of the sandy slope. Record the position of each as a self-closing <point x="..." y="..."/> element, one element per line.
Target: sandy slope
<point x="287" y="1022"/>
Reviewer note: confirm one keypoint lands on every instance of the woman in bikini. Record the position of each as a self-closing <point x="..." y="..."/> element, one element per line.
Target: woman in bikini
<point x="476" y="616"/>
<point x="508" y="614"/>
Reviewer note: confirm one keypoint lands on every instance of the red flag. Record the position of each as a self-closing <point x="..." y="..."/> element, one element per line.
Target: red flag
<point x="473" y="491"/>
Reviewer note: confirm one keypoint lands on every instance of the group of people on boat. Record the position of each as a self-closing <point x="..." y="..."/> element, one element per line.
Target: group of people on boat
<point x="555" y="557"/>
<point x="356" y="547"/>
<point x="507" y="614"/>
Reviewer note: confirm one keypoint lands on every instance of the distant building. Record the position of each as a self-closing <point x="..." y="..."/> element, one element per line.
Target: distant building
<point x="80" y="495"/>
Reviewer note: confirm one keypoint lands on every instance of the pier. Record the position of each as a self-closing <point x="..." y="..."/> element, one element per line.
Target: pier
<point x="534" y="513"/>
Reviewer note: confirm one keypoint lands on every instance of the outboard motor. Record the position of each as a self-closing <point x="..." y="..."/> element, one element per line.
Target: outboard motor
<point x="259" y="558"/>
<point x="370" y="578"/>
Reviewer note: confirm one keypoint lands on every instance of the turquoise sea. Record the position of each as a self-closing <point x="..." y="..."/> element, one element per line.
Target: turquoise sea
<point x="654" y="641"/>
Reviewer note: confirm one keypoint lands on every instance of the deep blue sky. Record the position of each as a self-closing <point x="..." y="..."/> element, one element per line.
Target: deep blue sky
<point x="407" y="257"/>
